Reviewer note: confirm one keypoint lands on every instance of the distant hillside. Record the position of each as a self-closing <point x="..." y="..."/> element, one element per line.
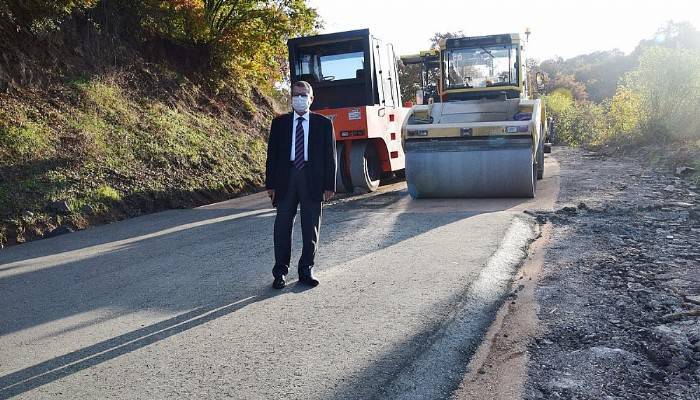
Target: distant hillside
<point x="99" y="123"/>
<point x="645" y="102"/>
<point x="599" y="73"/>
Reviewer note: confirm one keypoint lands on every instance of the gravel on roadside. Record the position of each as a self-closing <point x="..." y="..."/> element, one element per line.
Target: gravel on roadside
<point x="620" y="297"/>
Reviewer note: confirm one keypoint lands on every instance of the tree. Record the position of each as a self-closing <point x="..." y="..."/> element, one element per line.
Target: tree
<point x="569" y="83"/>
<point x="667" y="82"/>
<point x="675" y="35"/>
<point x="599" y="72"/>
<point x="244" y="38"/>
<point x="439" y="37"/>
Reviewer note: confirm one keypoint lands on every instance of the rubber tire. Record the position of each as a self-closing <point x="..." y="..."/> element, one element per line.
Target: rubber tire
<point x="342" y="179"/>
<point x="547" y="148"/>
<point x="365" y="170"/>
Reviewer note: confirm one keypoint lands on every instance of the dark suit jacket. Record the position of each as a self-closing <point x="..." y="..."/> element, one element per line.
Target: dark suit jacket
<point x="320" y="167"/>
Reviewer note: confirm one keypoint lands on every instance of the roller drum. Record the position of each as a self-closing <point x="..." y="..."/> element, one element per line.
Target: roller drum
<point x="464" y="168"/>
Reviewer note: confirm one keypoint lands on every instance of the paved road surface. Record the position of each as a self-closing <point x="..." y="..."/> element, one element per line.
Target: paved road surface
<point x="179" y="305"/>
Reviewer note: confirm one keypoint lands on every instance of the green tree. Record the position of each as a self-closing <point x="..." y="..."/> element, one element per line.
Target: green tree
<point x="667" y="82"/>
<point x="625" y="112"/>
<point x="673" y="35"/>
<point x="558" y="103"/>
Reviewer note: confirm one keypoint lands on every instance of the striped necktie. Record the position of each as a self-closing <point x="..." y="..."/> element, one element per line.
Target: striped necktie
<point x="299" y="144"/>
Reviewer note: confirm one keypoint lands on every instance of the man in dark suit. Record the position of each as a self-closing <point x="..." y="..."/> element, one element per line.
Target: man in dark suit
<point x="301" y="164"/>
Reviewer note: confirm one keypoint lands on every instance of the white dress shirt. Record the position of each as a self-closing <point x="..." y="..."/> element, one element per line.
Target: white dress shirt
<point x="305" y="124"/>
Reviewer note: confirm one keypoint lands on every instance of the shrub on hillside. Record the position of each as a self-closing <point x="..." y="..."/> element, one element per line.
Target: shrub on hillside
<point x="558" y="103"/>
<point x="668" y="83"/>
<point x="582" y="124"/>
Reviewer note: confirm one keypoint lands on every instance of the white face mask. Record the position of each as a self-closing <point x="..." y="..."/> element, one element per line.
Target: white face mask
<point x="301" y="104"/>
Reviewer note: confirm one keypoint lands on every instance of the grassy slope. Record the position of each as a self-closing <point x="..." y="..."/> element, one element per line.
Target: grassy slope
<point x="118" y="144"/>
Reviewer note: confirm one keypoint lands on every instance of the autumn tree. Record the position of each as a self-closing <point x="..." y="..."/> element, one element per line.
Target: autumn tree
<point x="245" y="38"/>
<point x="568" y="83"/>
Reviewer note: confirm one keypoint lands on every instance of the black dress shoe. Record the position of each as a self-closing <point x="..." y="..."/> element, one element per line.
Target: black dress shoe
<point x="279" y="282"/>
<point x="306" y="276"/>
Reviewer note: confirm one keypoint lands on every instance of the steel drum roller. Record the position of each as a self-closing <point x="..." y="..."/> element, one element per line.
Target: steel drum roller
<point x="467" y="167"/>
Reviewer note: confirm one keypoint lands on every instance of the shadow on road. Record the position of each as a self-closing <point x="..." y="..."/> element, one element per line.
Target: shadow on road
<point x="212" y="261"/>
<point x="48" y="371"/>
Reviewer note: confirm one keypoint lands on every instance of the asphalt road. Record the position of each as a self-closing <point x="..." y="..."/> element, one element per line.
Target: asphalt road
<point x="179" y="305"/>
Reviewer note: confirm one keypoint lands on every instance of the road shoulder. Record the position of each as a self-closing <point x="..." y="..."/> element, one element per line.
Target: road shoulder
<point x="498" y="368"/>
<point x="614" y="313"/>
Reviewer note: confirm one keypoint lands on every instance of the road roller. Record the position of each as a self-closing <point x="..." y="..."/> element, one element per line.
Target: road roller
<point x="484" y="136"/>
<point x="355" y="81"/>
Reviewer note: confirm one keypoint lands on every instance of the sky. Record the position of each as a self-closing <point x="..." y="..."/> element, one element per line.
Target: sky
<point x="563" y="28"/>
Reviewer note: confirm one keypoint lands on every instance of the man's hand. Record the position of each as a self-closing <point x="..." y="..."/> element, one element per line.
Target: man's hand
<point x="271" y="195"/>
<point x="327" y="195"/>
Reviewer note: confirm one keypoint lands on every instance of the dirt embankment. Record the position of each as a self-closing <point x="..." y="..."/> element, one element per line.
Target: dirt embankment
<point x="95" y="128"/>
<point x="620" y="297"/>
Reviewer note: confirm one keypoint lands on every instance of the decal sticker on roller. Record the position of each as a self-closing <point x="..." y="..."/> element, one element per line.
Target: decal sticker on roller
<point x="354" y="114"/>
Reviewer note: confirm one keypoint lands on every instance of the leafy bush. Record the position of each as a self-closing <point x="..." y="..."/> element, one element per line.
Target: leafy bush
<point x="667" y="81"/>
<point x="624" y="114"/>
<point x="106" y="193"/>
<point x="582" y="124"/>
<point x="244" y="40"/>
<point x="558" y="103"/>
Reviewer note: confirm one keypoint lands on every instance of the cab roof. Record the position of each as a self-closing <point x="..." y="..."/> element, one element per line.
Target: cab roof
<point x="469" y="41"/>
<point x="328" y="38"/>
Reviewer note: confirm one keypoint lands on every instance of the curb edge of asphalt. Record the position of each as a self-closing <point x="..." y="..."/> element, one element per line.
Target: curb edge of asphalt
<point x="437" y="371"/>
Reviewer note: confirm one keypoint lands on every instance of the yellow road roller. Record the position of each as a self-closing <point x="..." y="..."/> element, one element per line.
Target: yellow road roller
<point x="482" y="135"/>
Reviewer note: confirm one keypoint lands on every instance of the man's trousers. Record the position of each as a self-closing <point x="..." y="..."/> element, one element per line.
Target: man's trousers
<point x="298" y="193"/>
